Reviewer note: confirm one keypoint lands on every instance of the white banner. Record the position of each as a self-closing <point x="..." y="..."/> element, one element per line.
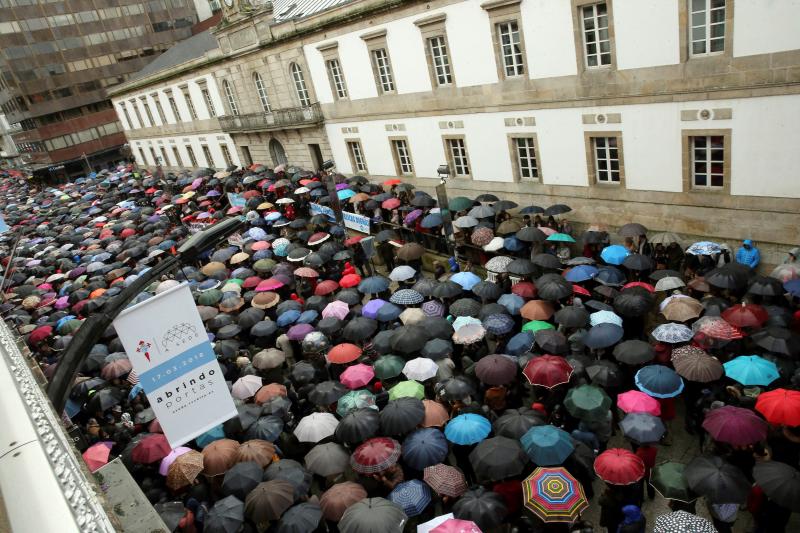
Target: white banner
<point x="167" y="344"/>
<point x="353" y="221"/>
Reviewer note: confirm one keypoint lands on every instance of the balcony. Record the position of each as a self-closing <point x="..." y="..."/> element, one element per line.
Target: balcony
<point x="279" y="119"/>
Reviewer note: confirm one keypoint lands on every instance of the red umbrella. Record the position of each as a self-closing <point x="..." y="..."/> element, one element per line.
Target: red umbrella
<point x="326" y="287"/>
<point x="718" y="328"/>
<point x="39" y="334"/>
<point x="641" y="284"/>
<point x="780" y="406"/>
<point x="251" y="282"/>
<point x="97" y="455"/>
<point x="343" y="353"/>
<point x="350" y="280"/>
<point x="353" y="240"/>
<point x="375" y="455"/>
<point x="734" y="425"/>
<point x="393" y="181"/>
<point x="391" y="203"/>
<point x="151" y="449"/>
<point x="577" y="289"/>
<point x="619" y="467"/>
<point x="525" y="289"/>
<point x="746" y="315"/>
<point x="548" y="371"/>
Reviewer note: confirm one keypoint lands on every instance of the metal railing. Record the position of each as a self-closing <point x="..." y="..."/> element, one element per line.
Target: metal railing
<point x="275" y="120"/>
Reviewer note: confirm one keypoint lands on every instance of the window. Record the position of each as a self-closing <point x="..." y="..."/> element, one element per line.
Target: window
<point x="128" y="122"/>
<point x="456" y="149"/>
<point x="383" y="68"/>
<point x="189" y="103"/>
<point x="164" y="160"/>
<point x="596" y="36"/>
<point x="525" y="155"/>
<point x="231" y="98"/>
<point x="192" y="158"/>
<point x="277" y="152"/>
<point x="160" y="110"/>
<point x="176" y="155"/>
<point x="174" y="107"/>
<point x="707" y="19"/>
<point x="262" y="93"/>
<point x="156" y="160"/>
<point x="440" y="62"/>
<point x="606" y="153"/>
<point x="300" y="85"/>
<point x="336" y="78"/>
<point x="510" y="48"/>
<point x="207" y="155"/>
<point x="356" y="156"/>
<point x="147" y="112"/>
<point x="402" y="157"/>
<point x="226" y="155"/>
<point x="248" y="159"/>
<point x="138" y="114"/>
<point x="708" y="161"/>
<point x="209" y="103"/>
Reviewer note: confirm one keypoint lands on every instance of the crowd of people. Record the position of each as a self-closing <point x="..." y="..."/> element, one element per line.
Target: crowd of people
<point x="419" y="381"/>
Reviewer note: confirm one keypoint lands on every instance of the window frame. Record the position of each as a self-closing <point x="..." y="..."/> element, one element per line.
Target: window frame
<point x="592" y="162"/>
<point x="450" y="156"/>
<point x="595" y="30"/>
<point x="177" y="155"/>
<point x="247" y="157"/>
<point x="707" y="9"/>
<point x="580" y="38"/>
<point x="336" y="78"/>
<point x="173" y="105"/>
<point x="233" y="106"/>
<point x="137" y="112"/>
<point x="352" y="146"/>
<point x="688" y="160"/>
<point x="383" y="70"/>
<point x="212" y="111"/>
<point x="513" y="145"/>
<point x="208" y="156"/>
<point x="227" y="157"/>
<point x="261" y="92"/>
<point x="398" y="158"/>
<point x="192" y="156"/>
<point x="159" y="108"/>
<point x="434" y="27"/>
<point x="187" y="96"/>
<point x="502" y="12"/>
<point x="376" y="42"/>
<point x="300" y="86"/>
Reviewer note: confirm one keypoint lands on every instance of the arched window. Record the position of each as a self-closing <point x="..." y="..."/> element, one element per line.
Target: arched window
<point x="231" y="98"/>
<point x="277" y="152"/>
<point x="300" y="85"/>
<point x="262" y="93"/>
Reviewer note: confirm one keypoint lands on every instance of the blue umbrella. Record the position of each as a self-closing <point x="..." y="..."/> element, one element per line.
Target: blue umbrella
<point x="289" y="317"/>
<point x="580" y="273"/>
<point x="344" y="194"/>
<point x="412" y="496"/>
<point x="215" y="433"/>
<point x="498" y="324"/>
<point x="751" y="370"/>
<point x="793" y="287"/>
<point x="257" y="234"/>
<point x="605" y="317"/>
<point x="603" y="336"/>
<point x="432" y="220"/>
<point x="271" y="217"/>
<point x="424" y="447"/>
<point x="512" y="244"/>
<point x="371" y="308"/>
<point x="467" y="429"/>
<point x="512" y="302"/>
<point x="467" y="280"/>
<point x="373" y="285"/>
<point x="307" y="317"/>
<point x="608" y="275"/>
<point x="614" y="254"/>
<point x="265" y="428"/>
<point x="520" y="343"/>
<point x="704" y="248"/>
<point x="547" y="445"/>
<point x="388" y="312"/>
<point x="659" y="381"/>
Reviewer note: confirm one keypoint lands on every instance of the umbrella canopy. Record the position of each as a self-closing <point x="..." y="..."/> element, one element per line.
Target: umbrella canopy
<point x="467" y="429"/>
<point x="373" y="515"/>
<point x="780" y="482"/>
<point x="554" y="495"/>
<point x="412" y="496"/>
<point x="547" y="371"/>
<point x="717" y="480"/>
<point x="670" y="481"/>
<point x="514" y="423"/>
<point x="638" y="402"/>
<point x="226" y="516"/>
<point x="315" y="427"/>
<point x="357" y="426"/>
<point x="327" y="459"/>
<point x="681" y="521"/>
<point x="424" y="447"/>
<point x="634" y="352"/>
<point x="496" y="369"/>
<point x="672" y="333"/>
<point x="481" y="506"/>
<point x="547" y="445"/>
<point x="619" y="467"/>
<point x="751" y="370"/>
<point x="445" y="480"/>
<point x="642" y="428"/>
<point x="335" y="501"/>
<point x="375" y="455"/>
<point x="659" y="381"/>
<point x="269" y="500"/>
<point x="735" y="426"/>
<point x="498" y="458"/>
<point x="587" y="402"/>
<point x="694" y="364"/>
<point x="780" y="406"/>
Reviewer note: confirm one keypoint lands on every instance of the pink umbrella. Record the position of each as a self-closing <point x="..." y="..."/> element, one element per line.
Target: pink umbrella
<point x="454" y="525"/>
<point x="634" y="401"/>
<point x="260" y="245"/>
<point x="62" y="303"/>
<point x="391" y="203"/>
<point x="197" y="183"/>
<point x="45" y="287"/>
<point x="357" y="376"/>
<point x="336" y="308"/>
<point x="412" y="216"/>
<point x="163" y="469"/>
<point x="97" y="455"/>
<point x="547" y="231"/>
<point x="246" y="387"/>
<point x="270" y="284"/>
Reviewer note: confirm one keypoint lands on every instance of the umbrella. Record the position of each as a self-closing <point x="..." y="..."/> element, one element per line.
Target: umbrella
<point x="359" y="329"/>
<point x="467" y="280"/>
<point x="412" y="496"/>
<point x="614" y="254"/>
<point x="185" y="469"/>
<point x="604" y="373"/>
<point x="547" y="371"/>
<point x="355" y="399"/>
<point x="669" y="283"/>
<point x="467" y="429"/>
<point x="269" y="500"/>
<point x="682" y="309"/>
<point x="554" y="495"/>
<point x="587" y="402"/>
<point x="642" y="427"/>
<point x="735" y="426"/>
<point x="402" y="273"/>
<point x="514" y="423"/>
<point x="150" y="449"/>
<point x="572" y="316"/>
<point x="226" y="516"/>
<point x="498" y="458"/>
<point x="553" y="287"/>
<point x="717" y="480"/>
<point x="338" y="498"/>
<point x="259" y="451"/>
<point x="327" y="392"/>
<point x="241" y="479"/>
<point x="632" y="229"/>
<point x="375" y="455"/>
<point x="751" y="370"/>
<point x="408" y="389"/>
<point x="780" y="482"/>
<point x="420" y="369"/>
<point x="410" y="252"/>
<point x="446" y="480"/>
<point x="424" y="447"/>
<point x="373" y="515"/>
<point x="780" y="406"/>
<point x="357" y="376"/>
<point x="603" y="336"/>
<point x="219" y="456"/>
<point x="401" y="416"/>
<point x="485" y="508"/>
<point x="638" y="402"/>
<point x="97" y="455"/>
<point x="634" y="352"/>
<point x="246" y="387"/>
<point x="682" y="522"/>
<point x="694" y="364"/>
<point x="315" y="427"/>
<point x="745" y="315"/>
<point x="669" y="480"/>
<point x="777" y="340"/>
<point x="496" y="369"/>
<point x="343" y="353"/>
<point x="469" y="334"/>
<point x="547" y="445"/>
<point x="327" y="459"/>
<point x="672" y="333"/>
<point x="659" y="381"/>
<point x="619" y="467"/>
<point x="302" y="518"/>
<point x="374" y="284"/>
<point x="537" y="310"/>
<point x="435" y="414"/>
<point x="388" y="366"/>
<point x="293" y="472"/>
<point x="727" y="277"/>
<point x="357" y="426"/>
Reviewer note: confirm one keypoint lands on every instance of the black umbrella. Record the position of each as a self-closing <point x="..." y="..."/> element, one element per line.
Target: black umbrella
<point x="104" y="399"/>
<point x="227" y="516"/>
<point x="359" y="329"/>
<point x="241" y="479"/>
<point x="604" y="374"/>
<point x="437" y="349"/>
<point x="409" y="339"/>
<point x="293" y="472"/>
<point x="546" y="261"/>
<point x="349" y="296"/>
<point x="632" y="229"/>
<point x="302" y="518"/>
<point x="557" y="209"/>
<point x="330" y="325"/>
<point x="171" y="513"/>
<point x="603" y="335"/>
<point x="498" y="458"/>
<point x="665" y="273"/>
<point x="551" y="341"/>
<point x="487" y="509"/>
<point x="447" y="289"/>
<point x="425" y="286"/>
<point x="521" y="267"/>
<point x="465" y="307"/>
<point x="777" y="340"/>
<point x="303" y="372"/>
<point x="572" y="316"/>
<point x="458" y="388"/>
<point x="487" y="290"/>
<point x="327" y="392"/>
<point x="357" y="426"/>
<point x="594" y="237"/>
<point x="727" y="277"/>
<point x="531" y="234"/>
<point x="633" y="303"/>
<point x="265" y="428"/>
<point x="553" y="287"/>
<point x="638" y="262"/>
<point x="781" y="483"/>
<point x="717" y="480"/>
<point x="386" y="235"/>
<point x="634" y="352"/>
<point x="401" y="416"/>
<point x="766" y="286"/>
<point x="514" y="423"/>
<point x="714" y="306"/>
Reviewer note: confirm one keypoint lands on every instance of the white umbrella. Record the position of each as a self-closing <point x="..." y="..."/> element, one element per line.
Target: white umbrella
<point x="315" y="427"/>
<point x="668" y="283"/>
<point x="246" y="387"/>
<point x="284" y="201"/>
<point x="420" y="369"/>
<point x="402" y="273"/>
<point x="413" y="315"/>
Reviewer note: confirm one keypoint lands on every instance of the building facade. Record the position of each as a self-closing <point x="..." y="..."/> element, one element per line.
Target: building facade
<point x="57" y="59"/>
<point x="7" y="147"/>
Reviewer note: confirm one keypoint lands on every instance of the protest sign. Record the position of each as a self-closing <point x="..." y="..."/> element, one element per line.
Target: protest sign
<point x="236" y="200"/>
<point x="3" y="226"/>
<point x="353" y="221"/>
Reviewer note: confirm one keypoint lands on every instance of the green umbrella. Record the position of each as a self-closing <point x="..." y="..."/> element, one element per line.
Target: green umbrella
<point x="70" y="326"/>
<point x="407" y="389"/>
<point x="233" y="280"/>
<point x="537" y="325"/>
<point x="560" y="237"/>
<point x="460" y="203"/>
<point x="264" y="265"/>
<point x="587" y="402"/>
<point x="669" y="481"/>
<point x="388" y="366"/>
<point x="209" y="297"/>
<point x="355" y="399"/>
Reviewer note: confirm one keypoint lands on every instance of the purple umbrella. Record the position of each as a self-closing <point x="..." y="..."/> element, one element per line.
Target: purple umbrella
<point x="340" y="186"/>
<point x="370" y="309"/>
<point x="433" y="308"/>
<point x="163" y="469"/>
<point x="412" y="216"/>
<point x="196" y="183"/>
<point x="298" y="332"/>
<point x="213" y="193"/>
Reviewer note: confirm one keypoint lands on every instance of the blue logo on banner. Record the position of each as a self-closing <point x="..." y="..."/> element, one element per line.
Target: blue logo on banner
<point x="177" y="367"/>
<point x="3" y="226"/>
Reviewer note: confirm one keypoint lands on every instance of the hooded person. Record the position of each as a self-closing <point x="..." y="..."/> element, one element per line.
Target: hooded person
<point x="633" y="522"/>
<point x="748" y="254"/>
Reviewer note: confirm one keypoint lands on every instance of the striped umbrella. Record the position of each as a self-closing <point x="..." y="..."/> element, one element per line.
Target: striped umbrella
<point x="407" y="297"/>
<point x="554" y="495"/>
<point x="412" y="496"/>
<point x="446" y="480"/>
<point x="375" y="455"/>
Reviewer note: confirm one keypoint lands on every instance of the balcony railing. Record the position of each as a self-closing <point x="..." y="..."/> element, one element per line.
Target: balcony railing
<point x="276" y="120"/>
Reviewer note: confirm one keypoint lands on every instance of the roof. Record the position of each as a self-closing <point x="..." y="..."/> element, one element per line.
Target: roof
<point x="181" y="52"/>
<point x="290" y="9"/>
